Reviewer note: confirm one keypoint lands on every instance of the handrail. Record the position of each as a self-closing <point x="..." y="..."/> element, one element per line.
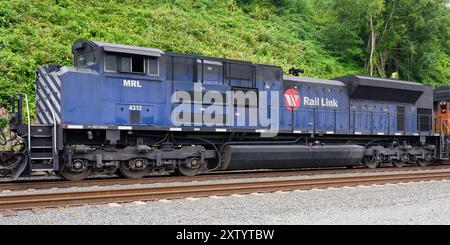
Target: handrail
<point x="445" y="123"/>
<point x="55" y="152"/>
<point x="29" y="124"/>
<point x="54" y="131"/>
<point x="28" y="120"/>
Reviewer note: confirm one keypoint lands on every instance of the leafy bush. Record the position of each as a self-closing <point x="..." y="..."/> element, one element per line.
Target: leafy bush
<point x="35" y="33"/>
<point x="280" y="32"/>
<point x="3" y="123"/>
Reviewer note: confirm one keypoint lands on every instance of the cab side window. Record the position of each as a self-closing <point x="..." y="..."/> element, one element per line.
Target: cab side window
<point x="110" y="63"/>
<point x="125" y="63"/>
<point x="153" y="66"/>
<point x="137" y="64"/>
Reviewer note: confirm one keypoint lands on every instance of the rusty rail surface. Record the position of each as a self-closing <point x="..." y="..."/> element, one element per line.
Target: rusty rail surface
<point x="31" y="201"/>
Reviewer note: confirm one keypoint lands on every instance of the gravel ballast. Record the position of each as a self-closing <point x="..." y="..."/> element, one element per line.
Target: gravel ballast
<point x="410" y="203"/>
<point x="212" y="181"/>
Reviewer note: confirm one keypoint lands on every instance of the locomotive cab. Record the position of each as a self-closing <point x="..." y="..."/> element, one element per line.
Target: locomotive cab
<point x="116" y="58"/>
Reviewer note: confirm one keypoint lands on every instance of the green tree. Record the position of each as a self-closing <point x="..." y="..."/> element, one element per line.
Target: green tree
<point x="388" y="36"/>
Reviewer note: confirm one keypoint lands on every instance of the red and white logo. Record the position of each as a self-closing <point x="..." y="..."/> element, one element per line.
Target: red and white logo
<point x="292" y="99"/>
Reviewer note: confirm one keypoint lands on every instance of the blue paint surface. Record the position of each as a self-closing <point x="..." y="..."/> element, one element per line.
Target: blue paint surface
<point x="100" y="98"/>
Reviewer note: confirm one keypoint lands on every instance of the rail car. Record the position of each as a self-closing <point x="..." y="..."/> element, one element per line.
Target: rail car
<point x="133" y="111"/>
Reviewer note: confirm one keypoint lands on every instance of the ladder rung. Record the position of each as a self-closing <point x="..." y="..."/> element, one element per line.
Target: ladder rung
<point x="41" y="158"/>
<point x="41" y="136"/>
<point x="42" y="169"/>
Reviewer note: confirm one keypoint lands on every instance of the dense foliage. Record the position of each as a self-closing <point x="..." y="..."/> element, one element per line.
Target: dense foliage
<point x="3" y="123"/>
<point x="327" y="38"/>
<point x="404" y="37"/>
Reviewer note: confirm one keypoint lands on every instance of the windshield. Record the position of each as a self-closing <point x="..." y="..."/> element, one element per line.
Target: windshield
<point x="86" y="59"/>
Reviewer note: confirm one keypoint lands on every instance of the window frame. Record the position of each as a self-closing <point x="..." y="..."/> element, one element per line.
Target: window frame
<point x="104" y="63"/>
<point x="119" y="56"/>
<point x="120" y="64"/>
<point x="148" y="66"/>
<point x="94" y="55"/>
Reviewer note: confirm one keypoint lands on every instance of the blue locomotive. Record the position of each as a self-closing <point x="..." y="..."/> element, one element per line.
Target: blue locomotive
<point x="133" y="111"/>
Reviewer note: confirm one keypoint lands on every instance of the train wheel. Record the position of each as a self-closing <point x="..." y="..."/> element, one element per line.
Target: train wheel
<point x="422" y="162"/>
<point x="78" y="171"/>
<point x="371" y="162"/>
<point x="404" y="158"/>
<point x="134" y="169"/>
<point x="425" y="162"/>
<point x="191" y="168"/>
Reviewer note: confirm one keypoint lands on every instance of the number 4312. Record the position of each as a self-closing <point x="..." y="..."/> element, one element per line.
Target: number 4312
<point x="135" y="108"/>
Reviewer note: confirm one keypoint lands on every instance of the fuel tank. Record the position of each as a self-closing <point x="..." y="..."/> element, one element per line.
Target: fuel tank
<point x="239" y="157"/>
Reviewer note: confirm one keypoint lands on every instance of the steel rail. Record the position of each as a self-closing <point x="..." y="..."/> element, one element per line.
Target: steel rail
<point x="31" y="201"/>
<point x="46" y="184"/>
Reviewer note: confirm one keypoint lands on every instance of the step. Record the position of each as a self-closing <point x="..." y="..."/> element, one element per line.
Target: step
<point x="42" y="147"/>
<point x="41" y="158"/>
<point x="39" y="155"/>
<point x="41" y="130"/>
<point x="42" y="166"/>
<point x="42" y="136"/>
<point x="41" y="141"/>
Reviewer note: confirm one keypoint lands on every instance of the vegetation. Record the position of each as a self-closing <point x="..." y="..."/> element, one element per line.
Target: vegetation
<point x="409" y="38"/>
<point x="3" y="132"/>
<point x="327" y="38"/>
<point x="3" y="123"/>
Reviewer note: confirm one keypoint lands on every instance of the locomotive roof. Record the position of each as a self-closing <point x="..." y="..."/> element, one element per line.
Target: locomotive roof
<point x="443" y="88"/>
<point x="207" y="57"/>
<point x="118" y="48"/>
<point x="82" y="46"/>
<point x="313" y="80"/>
<point x="442" y="93"/>
<point x="372" y="88"/>
<point x="381" y="82"/>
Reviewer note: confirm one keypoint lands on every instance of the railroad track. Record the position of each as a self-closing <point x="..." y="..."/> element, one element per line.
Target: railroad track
<point x="58" y="183"/>
<point x="48" y="200"/>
